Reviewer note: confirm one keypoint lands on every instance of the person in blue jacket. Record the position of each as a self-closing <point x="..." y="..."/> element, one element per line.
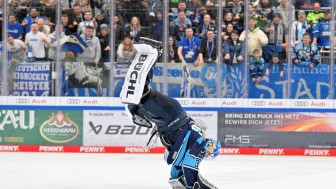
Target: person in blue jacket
<point x="322" y="32"/>
<point x="234" y="50"/>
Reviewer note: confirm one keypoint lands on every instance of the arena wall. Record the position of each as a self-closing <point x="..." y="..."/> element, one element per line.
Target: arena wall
<point x="100" y="125"/>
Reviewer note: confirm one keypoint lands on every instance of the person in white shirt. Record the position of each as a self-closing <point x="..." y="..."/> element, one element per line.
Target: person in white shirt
<point x="36" y="40"/>
<point x="16" y="48"/>
<point x="53" y="39"/>
<point x="88" y="21"/>
<point x="42" y="27"/>
<point x="299" y="27"/>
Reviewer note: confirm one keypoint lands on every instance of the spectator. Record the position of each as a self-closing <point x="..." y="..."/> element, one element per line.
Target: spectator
<point x="182" y="6"/>
<point x="179" y="25"/>
<point x="299" y="28"/>
<point x="27" y="21"/>
<point x="306" y="53"/>
<point x="316" y="16"/>
<point x="48" y="9"/>
<point x="252" y="12"/>
<point x="88" y="21"/>
<point x="36" y="40"/>
<point x="14" y="9"/>
<point x="52" y="48"/>
<point x="119" y="31"/>
<point x="69" y="27"/>
<point x="237" y="8"/>
<point x="256" y="37"/>
<point x="173" y="12"/>
<point x="24" y="8"/>
<point x="212" y="5"/>
<point x="15" y="28"/>
<point x="188" y="47"/>
<point x="156" y="28"/>
<point x="199" y="19"/>
<point x="277" y="38"/>
<point x="228" y="30"/>
<point x="322" y="32"/>
<point x="135" y="30"/>
<point x="151" y="7"/>
<point x="236" y="21"/>
<point x="261" y="19"/>
<point x="275" y="60"/>
<point x="126" y="50"/>
<point x="286" y="16"/>
<point x="102" y="18"/>
<point x="85" y="6"/>
<point x="42" y="27"/>
<point x="16" y="48"/>
<point x="104" y="38"/>
<point x="228" y="18"/>
<point x="304" y="4"/>
<point x="267" y="9"/>
<point x="172" y="56"/>
<point x="325" y="3"/>
<point x="233" y="3"/>
<point x="208" y="49"/>
<point x="256" y="64"/>
<point x="132" y="8"/>
<point x="234" y="50"/>
<point x="203" y="28"/>
<point x="93" y="52"/>
<point x="195" y="7"/>
<point x="76" y="13"/>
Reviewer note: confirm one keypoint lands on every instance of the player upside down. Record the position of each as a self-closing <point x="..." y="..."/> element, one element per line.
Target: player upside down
<point x="185" y="142"/>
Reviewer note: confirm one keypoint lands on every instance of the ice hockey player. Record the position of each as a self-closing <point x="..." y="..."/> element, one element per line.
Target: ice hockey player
<point x="185" y="143"/>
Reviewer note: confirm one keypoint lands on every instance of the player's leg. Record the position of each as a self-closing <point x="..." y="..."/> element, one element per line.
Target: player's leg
<point x="202" y="183"/>
<point x="177" y="180"/>
<point x="198" y="148"/>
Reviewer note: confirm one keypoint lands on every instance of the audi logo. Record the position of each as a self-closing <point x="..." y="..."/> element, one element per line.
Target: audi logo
<point x="300" y="103"/>
<point x="73" y="101"/>
<point x="184" y="102"/>
<point x="22" y="100"/>
<point x="258" y="103"/>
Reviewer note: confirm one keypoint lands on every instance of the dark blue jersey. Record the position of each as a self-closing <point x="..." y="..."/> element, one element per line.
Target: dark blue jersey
<point x="167" y="113"/>
<point x="322" y="33"/>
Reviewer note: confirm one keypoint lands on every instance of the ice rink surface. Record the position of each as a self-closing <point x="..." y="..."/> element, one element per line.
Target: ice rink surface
<point x="149" y="171"/>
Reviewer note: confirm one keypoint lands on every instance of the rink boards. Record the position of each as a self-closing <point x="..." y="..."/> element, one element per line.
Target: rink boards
<point x="100" y="125"/>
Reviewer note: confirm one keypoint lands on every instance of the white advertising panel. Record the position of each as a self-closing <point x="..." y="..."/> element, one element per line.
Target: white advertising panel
<point x="114" y="128"/>
<point x="208" y="119"/>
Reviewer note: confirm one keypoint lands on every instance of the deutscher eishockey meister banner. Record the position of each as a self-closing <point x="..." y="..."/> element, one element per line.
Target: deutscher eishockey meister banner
<point x="30" y="79"/>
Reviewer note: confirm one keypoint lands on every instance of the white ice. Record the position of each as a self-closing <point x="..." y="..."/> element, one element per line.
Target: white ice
<point x="149" y="171"/>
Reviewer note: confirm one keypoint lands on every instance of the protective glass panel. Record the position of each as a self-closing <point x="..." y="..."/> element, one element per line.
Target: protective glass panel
<point x="85" y="51"/>
<point x="29" y="66"/>
<point x="311" y="52"/>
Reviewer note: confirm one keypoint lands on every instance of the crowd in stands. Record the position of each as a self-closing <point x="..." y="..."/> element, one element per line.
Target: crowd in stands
<point x="32" y="30"/>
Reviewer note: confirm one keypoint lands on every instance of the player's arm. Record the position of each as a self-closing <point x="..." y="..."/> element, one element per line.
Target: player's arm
<point x="137" y="118"/>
